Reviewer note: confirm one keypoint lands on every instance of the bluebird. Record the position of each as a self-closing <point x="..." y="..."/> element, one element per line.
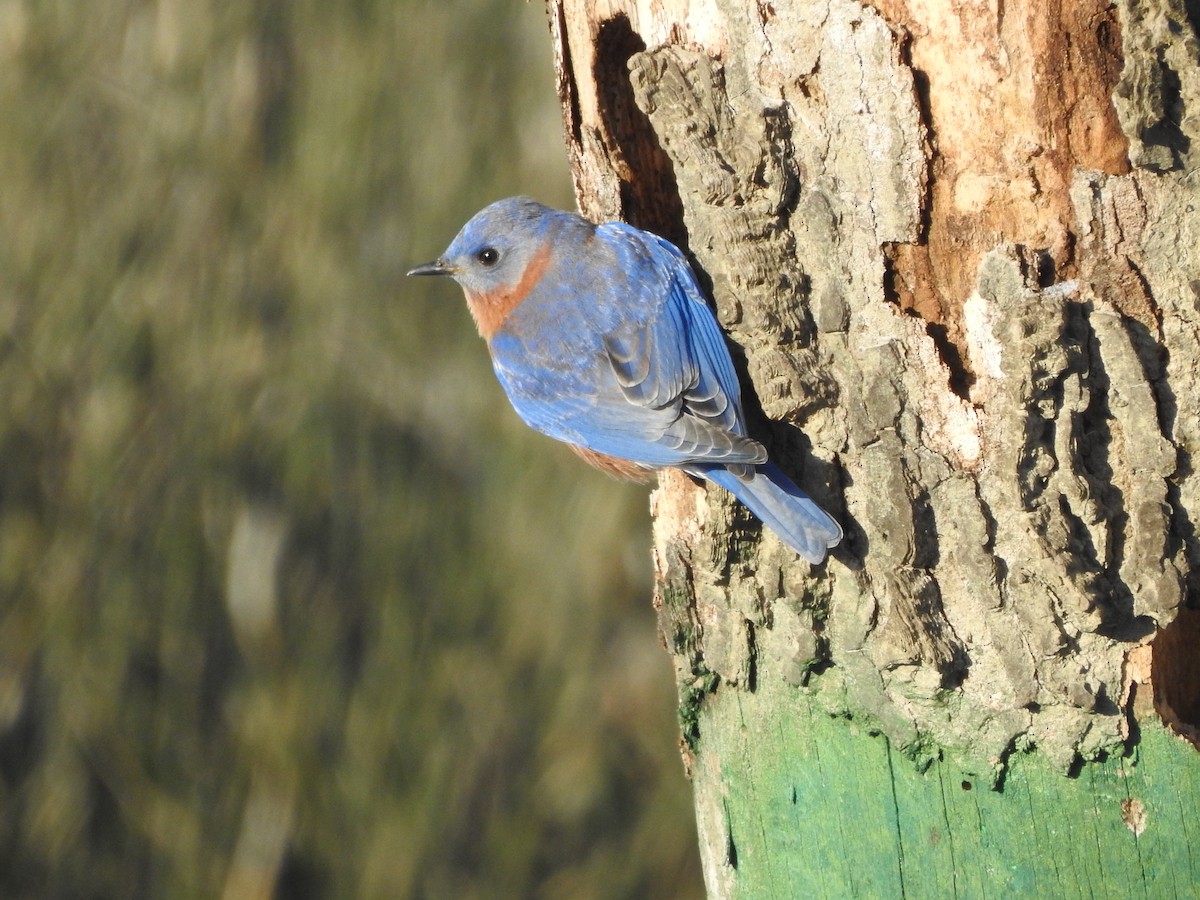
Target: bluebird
<point x="602" y="338"/>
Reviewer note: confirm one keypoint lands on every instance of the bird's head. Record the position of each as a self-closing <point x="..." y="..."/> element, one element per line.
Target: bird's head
<point x="494" y="249"/>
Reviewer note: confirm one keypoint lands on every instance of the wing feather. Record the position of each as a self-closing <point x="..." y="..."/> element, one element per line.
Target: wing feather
<point x="676" y="360"/>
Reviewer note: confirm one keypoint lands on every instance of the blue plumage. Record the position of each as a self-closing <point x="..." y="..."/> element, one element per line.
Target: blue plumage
<point x="602" y="338"/>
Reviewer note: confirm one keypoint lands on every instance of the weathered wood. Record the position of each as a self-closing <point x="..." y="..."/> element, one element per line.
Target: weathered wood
<point x="797" y="803"/>
<point x="957" y="246"/>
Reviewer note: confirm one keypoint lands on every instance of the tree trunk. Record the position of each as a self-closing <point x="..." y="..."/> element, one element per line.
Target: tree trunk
<point x="957" y="248"/>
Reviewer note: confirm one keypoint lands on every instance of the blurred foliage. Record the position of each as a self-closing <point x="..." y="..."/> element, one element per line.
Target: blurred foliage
<point x="290" y="602"/>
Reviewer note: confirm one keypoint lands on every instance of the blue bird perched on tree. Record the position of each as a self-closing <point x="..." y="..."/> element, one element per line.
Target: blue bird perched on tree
<point x="602" y="338"/>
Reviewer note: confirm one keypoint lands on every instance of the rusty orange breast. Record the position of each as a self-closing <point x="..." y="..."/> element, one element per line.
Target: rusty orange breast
<point x="610" y="465"/>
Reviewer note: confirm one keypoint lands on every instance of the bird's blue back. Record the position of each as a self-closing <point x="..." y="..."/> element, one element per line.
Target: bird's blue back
<point x="614" y="349"/>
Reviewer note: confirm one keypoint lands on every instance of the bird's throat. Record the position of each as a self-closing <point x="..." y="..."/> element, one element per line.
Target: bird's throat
<point x="491" y="309"/>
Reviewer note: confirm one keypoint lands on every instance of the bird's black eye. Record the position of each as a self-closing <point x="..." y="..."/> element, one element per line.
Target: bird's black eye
<point x="488" y="256"/>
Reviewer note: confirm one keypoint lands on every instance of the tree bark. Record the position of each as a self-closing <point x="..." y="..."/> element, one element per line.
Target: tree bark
<point x="957" y="250"/>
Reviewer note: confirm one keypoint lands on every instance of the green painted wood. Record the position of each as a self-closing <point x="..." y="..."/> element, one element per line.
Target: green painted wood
<point x="813" y="806"/>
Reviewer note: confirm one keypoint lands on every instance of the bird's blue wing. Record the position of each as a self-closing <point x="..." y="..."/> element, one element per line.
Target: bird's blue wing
<point x="677" y="353"/>
<point x="673" y="358"/>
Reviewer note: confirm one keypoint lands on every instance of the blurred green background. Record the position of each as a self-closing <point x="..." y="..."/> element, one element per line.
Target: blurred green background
<point x="291" y="604"/>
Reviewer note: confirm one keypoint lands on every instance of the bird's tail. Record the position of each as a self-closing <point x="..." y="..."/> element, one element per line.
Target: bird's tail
<point x="783" y="508"/>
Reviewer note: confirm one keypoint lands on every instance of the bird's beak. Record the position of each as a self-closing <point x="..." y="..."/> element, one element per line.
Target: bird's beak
<point x="437" y="267"/>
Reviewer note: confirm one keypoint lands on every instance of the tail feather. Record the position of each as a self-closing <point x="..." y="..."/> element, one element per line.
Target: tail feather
<point x="783" y="508"/>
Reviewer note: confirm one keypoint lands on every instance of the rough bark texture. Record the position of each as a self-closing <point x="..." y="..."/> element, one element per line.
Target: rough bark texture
<point x="957" y="245"/>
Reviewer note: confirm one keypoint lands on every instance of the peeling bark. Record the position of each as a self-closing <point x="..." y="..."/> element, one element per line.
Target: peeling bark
<point x="958" y="249"/>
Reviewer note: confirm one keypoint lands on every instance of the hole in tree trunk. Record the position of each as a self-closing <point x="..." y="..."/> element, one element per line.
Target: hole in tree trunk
<point x="649" y="192"/>
<point x="1175" y="674"/>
